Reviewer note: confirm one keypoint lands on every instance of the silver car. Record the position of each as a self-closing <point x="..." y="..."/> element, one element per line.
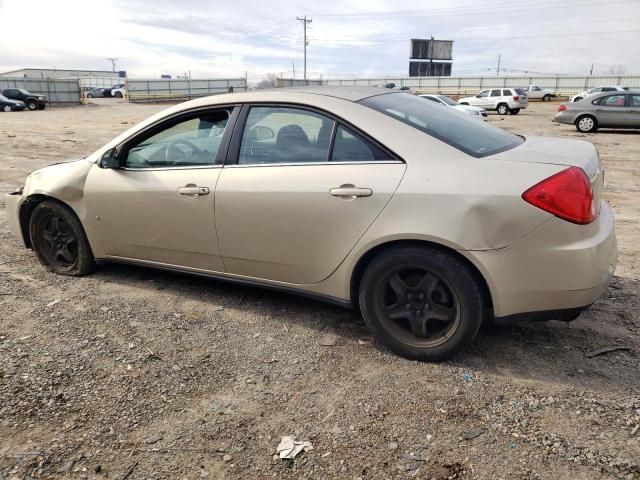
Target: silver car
<point x="447" y="102"/>
<point x="619" y="109"/>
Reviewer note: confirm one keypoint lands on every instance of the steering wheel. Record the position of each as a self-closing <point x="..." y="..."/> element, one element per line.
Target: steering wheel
<point x="174" y="145"/>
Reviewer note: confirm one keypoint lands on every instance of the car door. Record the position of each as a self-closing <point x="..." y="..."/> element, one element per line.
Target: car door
<point x="611" y="110"/>
<point x="481" y="100"/>
<point x="297" y="193"/>
<point x="632" y="117"/>
<point x="159" y="206"/>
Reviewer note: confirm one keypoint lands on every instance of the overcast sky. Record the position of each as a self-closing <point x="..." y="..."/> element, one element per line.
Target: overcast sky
<point x="219" y="39"/>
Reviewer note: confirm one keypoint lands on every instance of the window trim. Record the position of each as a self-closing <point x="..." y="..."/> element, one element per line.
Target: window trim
<point x="233" y="152"/>
<point x="167" y="122"/>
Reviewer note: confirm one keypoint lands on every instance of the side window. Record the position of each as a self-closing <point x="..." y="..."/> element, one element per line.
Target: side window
<point x="496" y="93"/>
<point x="613" y="101"/>
<point x="635" y="100"/>
<point x="483" y="94"/>
<point x="350" y="147"/>
<point x="190" y="142"/>
<point x="609" y="89"/>
<point x="536" y="89"/>
<point x="285" y="135"/>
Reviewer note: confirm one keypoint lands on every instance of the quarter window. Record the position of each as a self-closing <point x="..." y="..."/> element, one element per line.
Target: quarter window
<point x="285" y="135"/>
<point x="189" y="142"/>
<point x="350" y="147"/>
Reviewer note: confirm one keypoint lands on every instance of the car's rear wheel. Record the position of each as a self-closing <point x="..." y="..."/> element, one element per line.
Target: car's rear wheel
<point x="514" y="111"/>
<point x="586" y="124"/>
<point x="421" y="302"/>
<point x="32" y="105"/>
<point x="59" y="240"/>
<point x="6" y="108"/>
<point x="546" y="98"/>
<point x="502" y="109"/>
<point x="89" y="95"/>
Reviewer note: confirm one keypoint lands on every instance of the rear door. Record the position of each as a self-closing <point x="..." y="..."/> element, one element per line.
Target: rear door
<point x="297" y="193"/>
<point x="493" y="99"/>
<point x="633" y="112"/>
<point x="611" y="110"/>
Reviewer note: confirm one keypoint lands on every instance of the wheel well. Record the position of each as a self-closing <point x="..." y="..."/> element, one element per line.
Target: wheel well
<point x="586" y="115"/>
<point x="27" y="209"/>
<point x="366" y="259"/>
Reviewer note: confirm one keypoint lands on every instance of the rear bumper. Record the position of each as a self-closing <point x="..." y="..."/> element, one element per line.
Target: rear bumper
<point x="14" y="201"/>
<point x="563" y="117"/>
<point x="560" y="266"/>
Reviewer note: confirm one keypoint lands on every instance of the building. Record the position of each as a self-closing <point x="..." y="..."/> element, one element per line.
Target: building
<point x="51" y="73"/>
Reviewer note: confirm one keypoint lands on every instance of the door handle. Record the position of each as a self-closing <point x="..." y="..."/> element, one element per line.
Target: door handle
<point x="193" y="190"/>
<point x="350" y="191"/>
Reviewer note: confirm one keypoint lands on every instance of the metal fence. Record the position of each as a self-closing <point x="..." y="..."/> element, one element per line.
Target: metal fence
<point x="57" y="91"/>
<point x="181" y="89"/>
<point x="463" y="85"/>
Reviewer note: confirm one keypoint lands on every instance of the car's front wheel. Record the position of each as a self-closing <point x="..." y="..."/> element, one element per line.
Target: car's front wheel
<point x="32" y="105"/>
<point x="503" y="108"/>
<point x="577" y="99"/>
<point x="42" y="106"/>
<point x="6" y="108"/>
<point x="59" y="240"/>
<point x="118" y="95"/>
<point x="421" y="302"/>
<point x="586" y="124"/>
<point x="546" y="98"/>
<point x="464" y="103"/>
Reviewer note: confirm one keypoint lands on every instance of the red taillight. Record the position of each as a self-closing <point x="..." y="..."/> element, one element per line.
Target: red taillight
<point x="566" y="194"/>
<point x="562" y="108"/>
<point x="516" y="98"/>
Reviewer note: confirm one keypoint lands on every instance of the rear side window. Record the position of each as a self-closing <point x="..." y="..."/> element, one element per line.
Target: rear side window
<point x="458" y="129"/>
<point x="635" y="100"/>
<point x="495" y="93"/>
<point x="613" y="101"/>
<point x="350" y="147"/>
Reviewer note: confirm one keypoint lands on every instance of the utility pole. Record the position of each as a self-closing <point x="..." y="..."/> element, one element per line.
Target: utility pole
<point x="113" y="63"/>
<point x="591" y="70"/>
<point x="293" y="65"/>
<point x="498" y="69"/>
<point x="305" y="22"/>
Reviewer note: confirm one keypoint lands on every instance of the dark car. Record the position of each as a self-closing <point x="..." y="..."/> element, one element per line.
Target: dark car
<point x="8" y="105"/>
<point x="32" y="100"/>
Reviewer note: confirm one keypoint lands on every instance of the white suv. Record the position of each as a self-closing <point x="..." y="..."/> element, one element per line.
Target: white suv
<point x="502" y="100"/>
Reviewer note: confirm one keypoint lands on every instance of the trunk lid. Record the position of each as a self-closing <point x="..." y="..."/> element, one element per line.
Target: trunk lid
<point x="560" y="151"/>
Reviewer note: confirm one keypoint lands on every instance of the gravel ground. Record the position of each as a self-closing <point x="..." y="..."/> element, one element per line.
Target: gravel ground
<point x="133" y="373"/>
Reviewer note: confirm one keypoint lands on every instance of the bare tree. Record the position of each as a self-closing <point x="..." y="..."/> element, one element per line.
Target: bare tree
<point x="616" y="70"/>
<point x="270" y="80"/>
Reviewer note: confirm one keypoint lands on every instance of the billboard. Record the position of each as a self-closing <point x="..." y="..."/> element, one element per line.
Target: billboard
<point x="430" y="69"/>
<point x="423" y="49"/>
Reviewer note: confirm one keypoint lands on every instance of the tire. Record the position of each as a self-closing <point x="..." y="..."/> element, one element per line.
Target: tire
<point x="415" y="286"/>
<point x="514" y="111"/>
<point x="31" y="105"/>
<point x="502" y="109"/>
<point x="118" y="94"/>
<point x="577" y="99"/>
<point x="464" y="103"/>
<point x="41" y="107"/>
<point x="546" y="98"/>
<point x="586" y="124"/>
<point x="7" y="108"/>
<point x="89" y="95"/>
<point x="59" y="241"/>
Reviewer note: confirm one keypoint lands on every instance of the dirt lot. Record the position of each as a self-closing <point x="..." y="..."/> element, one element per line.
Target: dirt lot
<point x="132" y="373"/>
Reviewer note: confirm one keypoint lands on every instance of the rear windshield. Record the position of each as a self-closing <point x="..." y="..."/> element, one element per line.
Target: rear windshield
<point x="458" y="129"/>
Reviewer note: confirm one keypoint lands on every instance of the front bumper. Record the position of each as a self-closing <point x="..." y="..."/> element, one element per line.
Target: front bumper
<point x="558" y="267"/>
<point x="14" y="202"/>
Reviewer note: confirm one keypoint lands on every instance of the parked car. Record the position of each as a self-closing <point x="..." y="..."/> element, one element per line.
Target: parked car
<point x="448" y="102"/>
<point x="535" y="92"/>
<point x="9" y="105"/>
<point x="97" y="92"/>
<point x="620" y="109"/>
<point x="118" y="90"/>
<point x="587" y="93"/>
<point x="33" y="101"/>
<point x="425" y="220"/>
<point x="502" y="100"/>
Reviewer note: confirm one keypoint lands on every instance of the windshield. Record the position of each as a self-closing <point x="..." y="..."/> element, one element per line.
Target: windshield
<point x="455" y="128"/>
<point x="23" y="91"/>
<point x="447" y="100"/>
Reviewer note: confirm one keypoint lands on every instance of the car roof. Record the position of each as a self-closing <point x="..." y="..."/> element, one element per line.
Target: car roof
<point x="353" y="94"/>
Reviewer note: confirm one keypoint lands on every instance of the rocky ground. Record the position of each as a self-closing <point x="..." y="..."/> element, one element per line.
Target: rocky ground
<point x="133" y="373"/>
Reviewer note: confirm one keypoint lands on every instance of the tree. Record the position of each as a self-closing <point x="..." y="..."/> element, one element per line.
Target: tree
<point x="270" y="80"/>
<point x="616" y="70"/>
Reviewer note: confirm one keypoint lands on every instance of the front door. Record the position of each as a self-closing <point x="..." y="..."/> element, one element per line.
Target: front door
<point x="302" y="192"/>
<point x="159" y="206"/>
<point x="633" y="112"/>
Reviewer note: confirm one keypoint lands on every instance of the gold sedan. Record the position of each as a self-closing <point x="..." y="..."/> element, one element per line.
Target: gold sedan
<point x="421" y="217"/>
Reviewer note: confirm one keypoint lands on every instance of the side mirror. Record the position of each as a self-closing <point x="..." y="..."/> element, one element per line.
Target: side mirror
<point x="263" y="133"/>
<point x="110" y="159"/>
